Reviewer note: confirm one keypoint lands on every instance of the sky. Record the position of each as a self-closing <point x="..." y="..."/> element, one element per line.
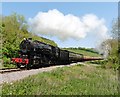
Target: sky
<point x="103" y="12"/>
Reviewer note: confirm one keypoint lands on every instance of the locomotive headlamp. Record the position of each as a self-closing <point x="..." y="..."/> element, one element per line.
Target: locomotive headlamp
<point x="24" y="39"/>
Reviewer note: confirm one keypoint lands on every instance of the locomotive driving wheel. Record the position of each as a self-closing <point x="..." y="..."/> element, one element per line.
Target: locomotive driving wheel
<point x="28" y="67"/>
<point x="18" y="65"/>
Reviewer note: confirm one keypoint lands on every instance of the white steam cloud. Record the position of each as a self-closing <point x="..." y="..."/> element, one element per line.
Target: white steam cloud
<point x="55" y="23"/>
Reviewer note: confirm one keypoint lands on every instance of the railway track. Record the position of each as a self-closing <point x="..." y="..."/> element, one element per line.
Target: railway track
<point x="7" y="70"/>
<point x="12" y="75"/>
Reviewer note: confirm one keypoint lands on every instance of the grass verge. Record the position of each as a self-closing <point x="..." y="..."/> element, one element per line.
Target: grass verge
<point x="74" y="80"/>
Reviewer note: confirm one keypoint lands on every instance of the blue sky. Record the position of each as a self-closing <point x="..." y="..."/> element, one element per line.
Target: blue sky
<point x="106" y="10"/>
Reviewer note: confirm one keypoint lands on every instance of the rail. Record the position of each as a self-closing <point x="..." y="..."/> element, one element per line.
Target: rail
<point x="9" y="70"/>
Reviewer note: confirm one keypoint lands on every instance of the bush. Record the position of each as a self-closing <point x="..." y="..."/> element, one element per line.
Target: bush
<point x="9" y="66"/>
<point x="99" y="62"/>
<point x="7" y="63"/>
<point x="6" y="60"/>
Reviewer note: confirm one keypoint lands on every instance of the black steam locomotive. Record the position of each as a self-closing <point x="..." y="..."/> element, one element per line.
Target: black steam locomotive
<point x="34" y="53"/>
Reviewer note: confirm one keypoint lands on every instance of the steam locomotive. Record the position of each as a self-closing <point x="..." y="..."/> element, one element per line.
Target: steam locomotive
<point x="34" y="53"/>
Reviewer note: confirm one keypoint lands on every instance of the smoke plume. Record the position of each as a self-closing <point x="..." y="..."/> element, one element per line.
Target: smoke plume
<point x="55" y="23"/>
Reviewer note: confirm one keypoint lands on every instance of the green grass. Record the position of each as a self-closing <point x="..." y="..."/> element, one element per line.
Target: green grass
<point x="74" y="80"/>
<point x="85" y="53"/>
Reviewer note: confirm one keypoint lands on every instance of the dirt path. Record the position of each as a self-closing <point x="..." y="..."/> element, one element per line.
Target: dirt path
<point x="14" y="76"/>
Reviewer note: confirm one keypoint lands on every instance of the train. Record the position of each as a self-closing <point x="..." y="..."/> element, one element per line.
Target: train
<point x="34" y="53"/>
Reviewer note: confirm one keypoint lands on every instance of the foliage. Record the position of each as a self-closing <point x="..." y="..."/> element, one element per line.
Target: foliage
<point x="99" y="62"/>
<point x="74" y="80"/>
<point x="114" y="49"/>
<point x="9" y="65"/>
<point x="115" y="28"/>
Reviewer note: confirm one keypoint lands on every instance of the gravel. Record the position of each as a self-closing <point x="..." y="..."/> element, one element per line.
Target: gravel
<point x="14" y="76"/>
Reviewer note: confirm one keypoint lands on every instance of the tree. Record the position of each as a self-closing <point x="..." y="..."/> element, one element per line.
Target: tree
<point x="116" y="28"/>
<point x="110" y="47"/>
<point x="13" y="27"/>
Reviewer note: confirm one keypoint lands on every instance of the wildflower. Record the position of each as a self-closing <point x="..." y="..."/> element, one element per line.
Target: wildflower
<point x="11" y="83"/>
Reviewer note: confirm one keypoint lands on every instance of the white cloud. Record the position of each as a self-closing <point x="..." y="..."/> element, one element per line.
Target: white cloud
<point x="55" y="23"/>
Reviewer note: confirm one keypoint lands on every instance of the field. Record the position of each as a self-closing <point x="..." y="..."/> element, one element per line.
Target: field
<point x="73" y="80"/>
<point x="84" y="52"/>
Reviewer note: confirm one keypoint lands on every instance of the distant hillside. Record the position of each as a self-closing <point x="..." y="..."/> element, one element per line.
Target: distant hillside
<point x="42" y="39"/>
<point x="84" y="51"/>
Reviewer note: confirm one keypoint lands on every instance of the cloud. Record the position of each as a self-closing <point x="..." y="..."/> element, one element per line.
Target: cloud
<point x="55" y="23"/>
